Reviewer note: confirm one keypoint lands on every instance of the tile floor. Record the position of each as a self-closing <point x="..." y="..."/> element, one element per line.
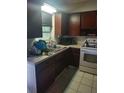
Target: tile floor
<point x="72" y="80"/>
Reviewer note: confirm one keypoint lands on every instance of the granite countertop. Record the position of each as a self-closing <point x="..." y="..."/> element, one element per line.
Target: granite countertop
<point x="41" y="58"/>
<point x="73" y="46"/>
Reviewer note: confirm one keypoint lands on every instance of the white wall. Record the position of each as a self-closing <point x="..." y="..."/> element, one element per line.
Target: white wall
<point x="53" y="28"/>
<point x="87" y="6"/>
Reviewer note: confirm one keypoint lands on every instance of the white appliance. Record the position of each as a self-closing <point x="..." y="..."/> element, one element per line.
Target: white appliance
<point x="88" y="56"/>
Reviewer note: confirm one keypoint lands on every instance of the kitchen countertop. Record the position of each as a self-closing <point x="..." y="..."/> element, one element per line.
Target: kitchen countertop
<point x="41" y="58"/>
<point x="73" y="46"/>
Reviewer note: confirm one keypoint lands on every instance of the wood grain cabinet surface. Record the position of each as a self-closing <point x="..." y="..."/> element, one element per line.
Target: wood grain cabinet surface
<point x="61" y="24"/>
<point x="82" y="24"/>
<point x="76" y="57"/>
<point x="89" y="23"/>
<point x="34" y="21"/>
<point x="47" y="70"/>
<point x="74" y="25"/>
<point x="45" y="75"/>
<point x="89" y="20"/>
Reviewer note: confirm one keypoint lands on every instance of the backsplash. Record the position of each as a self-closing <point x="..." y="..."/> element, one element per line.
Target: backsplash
<point x="79" y="40"/>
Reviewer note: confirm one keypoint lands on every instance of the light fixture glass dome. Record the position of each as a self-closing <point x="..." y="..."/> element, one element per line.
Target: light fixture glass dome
<point x="47" y="8"/>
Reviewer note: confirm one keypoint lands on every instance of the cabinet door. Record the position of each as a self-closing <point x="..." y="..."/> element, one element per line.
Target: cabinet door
<point x="76" y="57"/>
<point x="61" y="24"/>
<point x="45" y="78"/>
<point x="65" y="24"/>
<point x="58" y="23"/>
<point x="34" y="28"/>
<point x="45" y="74"/>
<point x="74" y="25"/>
<point x="68" y="57"/>
<point x="60" y="63"/>
<point x="76" y="60"/>
<point x="89" y="20"/>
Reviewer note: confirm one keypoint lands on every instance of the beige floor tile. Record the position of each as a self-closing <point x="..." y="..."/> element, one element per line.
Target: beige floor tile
<point x="76" y="78"/>
<point x="88" y="76"/>
<point x="87" y="82"/>
<point x="79" y="73"/>
<point x="94" y="84"/>
<point x="64" y="76"/>
<point x="94" y="90"/>
<point x="94" y="78"/>
<point x="73" y="85"/>
<point x="84" y="89"/>
<point x="56" y="88"/>
<point x="74" y="81"/>
<point x="69" y="90"/>
<point x="61" y="84"/>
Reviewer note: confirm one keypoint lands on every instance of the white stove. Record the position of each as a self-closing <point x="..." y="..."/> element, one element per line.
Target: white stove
<point x="88" y="56"/>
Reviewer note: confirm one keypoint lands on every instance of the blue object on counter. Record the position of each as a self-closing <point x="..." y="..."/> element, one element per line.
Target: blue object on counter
<point x="40" y="45"/>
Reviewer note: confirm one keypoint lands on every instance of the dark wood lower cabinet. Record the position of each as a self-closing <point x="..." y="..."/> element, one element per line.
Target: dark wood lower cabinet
<point x="76" y="57"/>
<point x="45" y="75"/>
<point x="62" y="61"/>
<point x="47" y="70"/>
<point x="59" y="66"/>
<point x="44" y="79"/>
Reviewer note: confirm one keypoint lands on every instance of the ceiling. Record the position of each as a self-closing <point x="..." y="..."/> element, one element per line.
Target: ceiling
<point x="71" y="5"/>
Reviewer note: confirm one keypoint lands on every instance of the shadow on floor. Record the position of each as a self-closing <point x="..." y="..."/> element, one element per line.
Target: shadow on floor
<point x="62" y="80"/>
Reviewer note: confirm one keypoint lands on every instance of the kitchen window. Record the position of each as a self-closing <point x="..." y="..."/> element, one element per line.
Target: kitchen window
<point x="46" y="32"/>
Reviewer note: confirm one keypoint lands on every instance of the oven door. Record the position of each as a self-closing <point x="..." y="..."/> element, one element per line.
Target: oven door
<point x="88" y="58"/>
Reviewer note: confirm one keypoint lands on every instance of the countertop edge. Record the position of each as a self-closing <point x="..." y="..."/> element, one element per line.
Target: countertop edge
<point x="41" y="58"/>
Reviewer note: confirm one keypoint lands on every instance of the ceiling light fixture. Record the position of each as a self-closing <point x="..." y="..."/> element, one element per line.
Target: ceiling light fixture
<point x="47" y="8"/>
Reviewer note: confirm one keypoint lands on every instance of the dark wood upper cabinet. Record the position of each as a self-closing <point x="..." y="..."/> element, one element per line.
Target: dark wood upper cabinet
<point x="34" y="22"/>
<point x="89" y="20"/>
<point x="61" y="24"/>
<point x="83" y="24"/>
<point x="74" y="25"/>
<point x="46" y="19"/>
<point x="58" y="24"/>
<point x="89" y="23"/>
